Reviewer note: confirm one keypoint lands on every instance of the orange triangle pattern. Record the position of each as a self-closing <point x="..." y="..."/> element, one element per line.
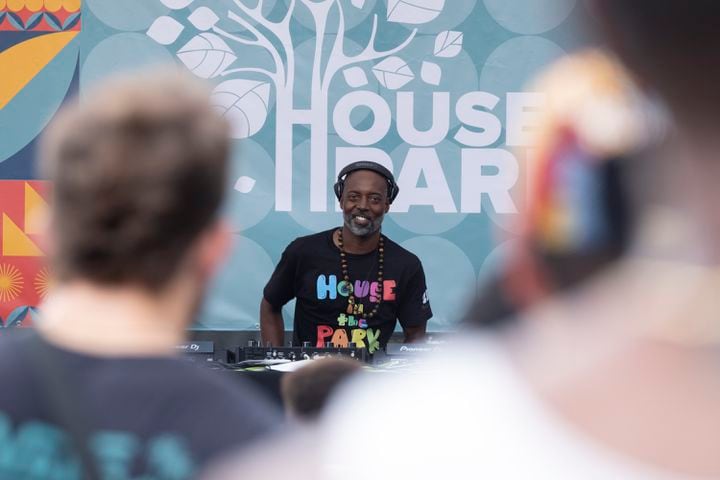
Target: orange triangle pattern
<point x="35" y="210"/>
<point x="15" y="242"/>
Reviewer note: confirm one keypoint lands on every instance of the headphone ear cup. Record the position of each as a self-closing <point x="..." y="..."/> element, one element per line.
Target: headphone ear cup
<point x="338" y="187"/>
<point x="394" y="190"/>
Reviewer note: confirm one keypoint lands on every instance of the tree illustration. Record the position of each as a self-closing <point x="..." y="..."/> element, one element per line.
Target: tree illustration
<point x="246" y="101"/>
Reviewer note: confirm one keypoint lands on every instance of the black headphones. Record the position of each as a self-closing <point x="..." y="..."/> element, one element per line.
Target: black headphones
<point x="393" y="188"/>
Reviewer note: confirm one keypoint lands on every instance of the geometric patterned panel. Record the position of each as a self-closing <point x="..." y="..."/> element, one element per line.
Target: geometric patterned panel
<point x="24" y="276"/>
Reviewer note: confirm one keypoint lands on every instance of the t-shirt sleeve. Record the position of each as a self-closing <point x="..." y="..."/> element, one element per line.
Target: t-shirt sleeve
<point x="414" y="308"/>
<point x="280" y="289"/>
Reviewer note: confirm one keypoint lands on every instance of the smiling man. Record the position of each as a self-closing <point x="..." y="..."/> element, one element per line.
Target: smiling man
<point x="352" y="284"/>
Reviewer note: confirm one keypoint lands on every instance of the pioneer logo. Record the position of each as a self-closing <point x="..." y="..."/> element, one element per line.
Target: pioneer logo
<point x="409" y="348"/>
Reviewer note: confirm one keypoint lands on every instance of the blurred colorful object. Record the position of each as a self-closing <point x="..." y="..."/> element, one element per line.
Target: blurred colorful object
<point x="595" y="117"/>
<point x="24" y="277"/>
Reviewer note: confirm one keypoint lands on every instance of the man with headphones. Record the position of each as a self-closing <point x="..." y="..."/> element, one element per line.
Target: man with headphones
<point x="352" y="284"/>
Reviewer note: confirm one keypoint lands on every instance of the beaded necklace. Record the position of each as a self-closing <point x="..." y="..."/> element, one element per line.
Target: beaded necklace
<point x="346" y="275"/>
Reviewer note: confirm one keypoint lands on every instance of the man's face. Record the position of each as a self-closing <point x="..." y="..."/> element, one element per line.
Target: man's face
<point x="364" y="202"/>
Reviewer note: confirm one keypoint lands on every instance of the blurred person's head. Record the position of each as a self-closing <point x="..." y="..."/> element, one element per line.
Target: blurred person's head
<point x="673" y="47"/>
<point x="306" y="390"/>
<point x="138" y="171"/>
<point x="578" y="218"/>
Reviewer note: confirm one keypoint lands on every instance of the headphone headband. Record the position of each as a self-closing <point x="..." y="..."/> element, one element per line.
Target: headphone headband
<point x="393" y="188"/>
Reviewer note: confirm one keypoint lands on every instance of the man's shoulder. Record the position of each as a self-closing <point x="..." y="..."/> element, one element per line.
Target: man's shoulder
<point x="239" y="408"/>
<point x="398" y="252"/>
<point x="313" y="240"/>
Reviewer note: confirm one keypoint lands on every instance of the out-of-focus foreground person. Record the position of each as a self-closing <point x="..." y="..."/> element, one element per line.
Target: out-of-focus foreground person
<point x="306" y="390"/>
<point x="617" y="379"/>
<point x="589" y="134"/>
<point x="138" y="171"/>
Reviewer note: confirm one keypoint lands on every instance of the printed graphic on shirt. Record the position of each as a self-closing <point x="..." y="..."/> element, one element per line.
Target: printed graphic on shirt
<point x="36" y="449"/>
<point x="328" y="288"/>
<point x="352" y="324"/>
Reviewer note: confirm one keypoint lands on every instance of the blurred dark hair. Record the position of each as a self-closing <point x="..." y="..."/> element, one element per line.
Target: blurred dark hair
<point x="672" y="45"/>
<point x="305" y="391"/>
<point x="138" y="170"/>
<point x="581" y="210"/>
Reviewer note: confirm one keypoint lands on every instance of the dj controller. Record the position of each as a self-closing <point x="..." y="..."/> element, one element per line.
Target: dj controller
<point x="254" y="351"/>
<point x="255" y="354"/>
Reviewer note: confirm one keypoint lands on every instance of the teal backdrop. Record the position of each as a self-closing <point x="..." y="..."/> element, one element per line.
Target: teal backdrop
<point x="431" y="88"/>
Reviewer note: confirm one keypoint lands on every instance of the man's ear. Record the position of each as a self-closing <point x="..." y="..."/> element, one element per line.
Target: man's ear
<point x="213" y="247"/>
<point x="387" y="207"/>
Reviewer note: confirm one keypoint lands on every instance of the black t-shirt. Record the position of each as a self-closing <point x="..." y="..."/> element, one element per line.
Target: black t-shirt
<point x="159" y="418"/>
<point x="309" y="270"/>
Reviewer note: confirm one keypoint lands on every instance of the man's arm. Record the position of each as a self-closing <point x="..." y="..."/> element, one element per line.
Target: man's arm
<point x="414" y="311"/>
<point x="272" y="327"/>
<point x="415" y="333"/>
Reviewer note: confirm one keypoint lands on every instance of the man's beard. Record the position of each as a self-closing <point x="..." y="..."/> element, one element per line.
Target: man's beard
<point x="370" y="228"/>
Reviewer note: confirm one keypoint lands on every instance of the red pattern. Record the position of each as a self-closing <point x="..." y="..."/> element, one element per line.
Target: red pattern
<point x="12" y="204"/>
<point x="25" y="14"/>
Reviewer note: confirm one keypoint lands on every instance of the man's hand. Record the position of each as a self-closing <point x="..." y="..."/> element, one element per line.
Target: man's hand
<point x="415" y="334"/>
<point x="272" y="327"/>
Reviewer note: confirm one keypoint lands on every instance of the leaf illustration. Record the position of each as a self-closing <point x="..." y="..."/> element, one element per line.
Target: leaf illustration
<point x="448" y="44"/>
<point x="15" y="21"/>
<point x="34" y="19"/>
<point x="358" y="3"/>
<point x="176" y="4"/>
<point x="393" y="73"/>
<point x="414" y="11"/>
<point x="355" y="77"/>
<point x="16" y="316"/>
<point x="203" y="18"/>
<point x="206" y="55"/>
<point x="165" y="30"/>
<point x="244" y="103"/>
<point x="431" y="73"/>
<point x="245" y="184"/>
<point x="71" y="21"/>
<point x="52" y="20"/>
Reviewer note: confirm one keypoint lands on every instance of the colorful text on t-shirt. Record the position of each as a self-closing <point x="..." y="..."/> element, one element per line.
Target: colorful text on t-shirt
<point x="328" y="288"/>
<point x="361" y="337"/>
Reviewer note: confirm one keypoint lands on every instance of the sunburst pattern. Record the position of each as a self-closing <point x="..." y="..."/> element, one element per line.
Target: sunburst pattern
<point x="43" y="282"/>
<point x="11" y="283"/>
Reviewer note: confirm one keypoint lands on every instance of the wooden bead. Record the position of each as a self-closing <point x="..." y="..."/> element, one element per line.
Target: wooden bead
<point x="351" y="306"/>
